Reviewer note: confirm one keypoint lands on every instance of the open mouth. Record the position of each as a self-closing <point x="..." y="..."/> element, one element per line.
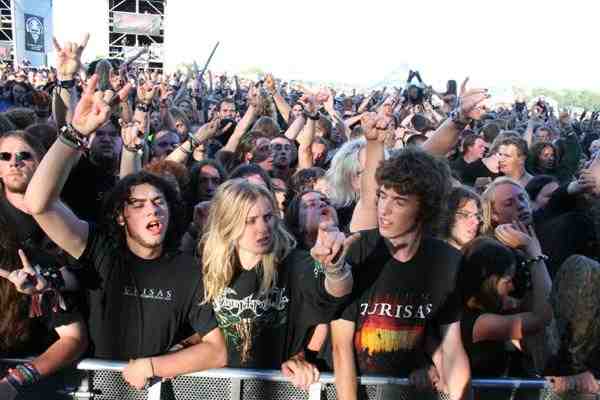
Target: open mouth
<point x="155" y="227"/>
<point x="265" y="241"/>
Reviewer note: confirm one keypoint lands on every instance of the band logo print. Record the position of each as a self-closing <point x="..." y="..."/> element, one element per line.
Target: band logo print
<point x="34" y="33"/>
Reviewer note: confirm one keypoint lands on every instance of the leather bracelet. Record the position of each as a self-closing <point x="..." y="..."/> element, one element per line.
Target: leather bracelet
<point x="72" y="138"/>
<point x="68" y="84"/>
<point x="142" y="107"/>
<point x="133" y="149"/>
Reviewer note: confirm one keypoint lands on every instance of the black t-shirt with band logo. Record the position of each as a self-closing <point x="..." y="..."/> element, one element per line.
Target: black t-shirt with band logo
<point x="262" y="330"/>
<point x="396" y="303"/>
<point x="138" y="307"/>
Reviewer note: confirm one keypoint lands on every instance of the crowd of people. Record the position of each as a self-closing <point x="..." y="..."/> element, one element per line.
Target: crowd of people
<point x="182" y="222"/>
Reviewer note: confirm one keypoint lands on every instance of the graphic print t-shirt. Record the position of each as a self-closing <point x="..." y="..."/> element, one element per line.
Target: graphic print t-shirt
<point x="396" y="303"/>
<point x="140" y="308"/>
<point x="264" y="329"/>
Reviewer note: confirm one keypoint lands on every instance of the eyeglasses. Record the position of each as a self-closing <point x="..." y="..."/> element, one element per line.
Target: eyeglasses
<point x="467" y="215"/>
<point x="19" y="156"/>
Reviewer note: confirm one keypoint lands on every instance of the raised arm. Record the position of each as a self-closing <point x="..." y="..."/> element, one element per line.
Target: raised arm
<point x="68" y="62"/>
<point x="376" y="129"/>
<point x="282" y="106"/>
<point x="246" y="121"/>
<point x="42" y="196"/>
<point x="202" y="134"/>
<point x="471" y="106"/>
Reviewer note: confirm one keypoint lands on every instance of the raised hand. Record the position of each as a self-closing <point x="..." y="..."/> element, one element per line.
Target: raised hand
<point x="376" y="126"/>
<point x="253" y="96"/>
<point x="26" y="280"/>
<point x="93" y="109"/>
<point x="69" y="57"/>
<point x="310" y="103"/>
<point x="146" y="92"/>
<point x="133" y="139"/>
<point x="270" y="84"/>
<point x="208" y="130"/>
<point x="331" y="245"/>
<point x="472" y="101"/>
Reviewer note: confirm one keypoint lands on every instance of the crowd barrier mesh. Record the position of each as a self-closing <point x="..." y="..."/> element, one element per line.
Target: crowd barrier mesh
<point x="102" y="380"/>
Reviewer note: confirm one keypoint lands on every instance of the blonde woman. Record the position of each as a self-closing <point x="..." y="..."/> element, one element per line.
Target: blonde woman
<point x="267" y="295"/>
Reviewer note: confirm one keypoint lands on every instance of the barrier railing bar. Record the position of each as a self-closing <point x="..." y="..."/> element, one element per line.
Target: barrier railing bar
<point x="326" y="378"/>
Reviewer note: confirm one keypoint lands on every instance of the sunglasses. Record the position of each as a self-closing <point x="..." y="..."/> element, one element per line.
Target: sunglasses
<point x="19" y="156"/>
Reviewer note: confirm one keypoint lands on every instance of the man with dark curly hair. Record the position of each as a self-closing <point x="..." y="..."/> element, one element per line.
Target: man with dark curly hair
<point x="405" y="285"/>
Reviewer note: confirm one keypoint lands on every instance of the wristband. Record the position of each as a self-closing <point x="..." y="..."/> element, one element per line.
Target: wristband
<point x="314" y="117"/>
<point x="133" y="149"/>
<point x="458" y="119"/>
<point x="541" y="257"/>
<point x="142" y="107"/>
<point x="193" y="141"/>
<point x="72" y="138"/>
<point x="68" y="84"/>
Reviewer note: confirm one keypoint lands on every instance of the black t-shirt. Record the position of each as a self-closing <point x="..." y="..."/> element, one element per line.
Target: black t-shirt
<point x="488" y="358"/>
<point x="264" y="330"/>
<point x="28" y="233"/>
<point x="395" y="303"/>
<point x="471" y="171"/>
<point x="138" y="307"/>
<point x="85" y="188"/>
<point x="565" y="235"/>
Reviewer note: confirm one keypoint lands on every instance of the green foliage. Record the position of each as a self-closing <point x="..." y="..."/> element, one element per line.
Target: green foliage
<point x="568" y="98"/>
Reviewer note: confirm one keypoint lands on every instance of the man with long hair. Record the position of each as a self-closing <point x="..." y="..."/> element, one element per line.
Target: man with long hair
<point x="267" y="295"/>
<point x="143" y="293"/>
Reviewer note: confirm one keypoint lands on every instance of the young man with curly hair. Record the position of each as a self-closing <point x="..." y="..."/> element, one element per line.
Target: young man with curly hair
<point x="405" y="285"/>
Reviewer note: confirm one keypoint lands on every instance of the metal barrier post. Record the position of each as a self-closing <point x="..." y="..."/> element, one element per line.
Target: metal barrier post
<point x="154" y="390"/>
<point x="314" y="391"/>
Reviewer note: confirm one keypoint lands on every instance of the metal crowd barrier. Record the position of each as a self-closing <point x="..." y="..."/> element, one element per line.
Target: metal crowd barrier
<point x="102" y="380"/>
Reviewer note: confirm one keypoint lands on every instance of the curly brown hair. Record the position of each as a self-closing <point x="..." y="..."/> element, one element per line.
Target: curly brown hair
<point x="413" y="171"/>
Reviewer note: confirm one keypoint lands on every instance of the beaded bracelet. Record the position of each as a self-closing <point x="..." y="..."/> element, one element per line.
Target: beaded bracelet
<point x="541" y="257"/>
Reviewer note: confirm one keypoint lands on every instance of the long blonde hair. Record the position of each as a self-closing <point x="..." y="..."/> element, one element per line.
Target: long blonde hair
<point x="487" y="202"/>
<point x="226" y="222"/>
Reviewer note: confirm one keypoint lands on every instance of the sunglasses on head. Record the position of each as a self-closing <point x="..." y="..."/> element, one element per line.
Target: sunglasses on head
<point x="19" y="156"/>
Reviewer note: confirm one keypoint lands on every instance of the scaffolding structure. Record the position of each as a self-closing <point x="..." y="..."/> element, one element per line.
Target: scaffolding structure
<point x="124" y="43"/>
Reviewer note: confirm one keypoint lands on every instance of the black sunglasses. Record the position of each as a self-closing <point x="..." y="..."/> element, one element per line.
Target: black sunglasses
<point x="19" y="156"/>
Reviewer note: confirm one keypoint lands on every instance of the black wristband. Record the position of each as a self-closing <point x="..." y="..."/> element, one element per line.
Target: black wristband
<point x="66" y="84"/>
<point x="72" y="138"/>
<point x="314" y="117"/>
